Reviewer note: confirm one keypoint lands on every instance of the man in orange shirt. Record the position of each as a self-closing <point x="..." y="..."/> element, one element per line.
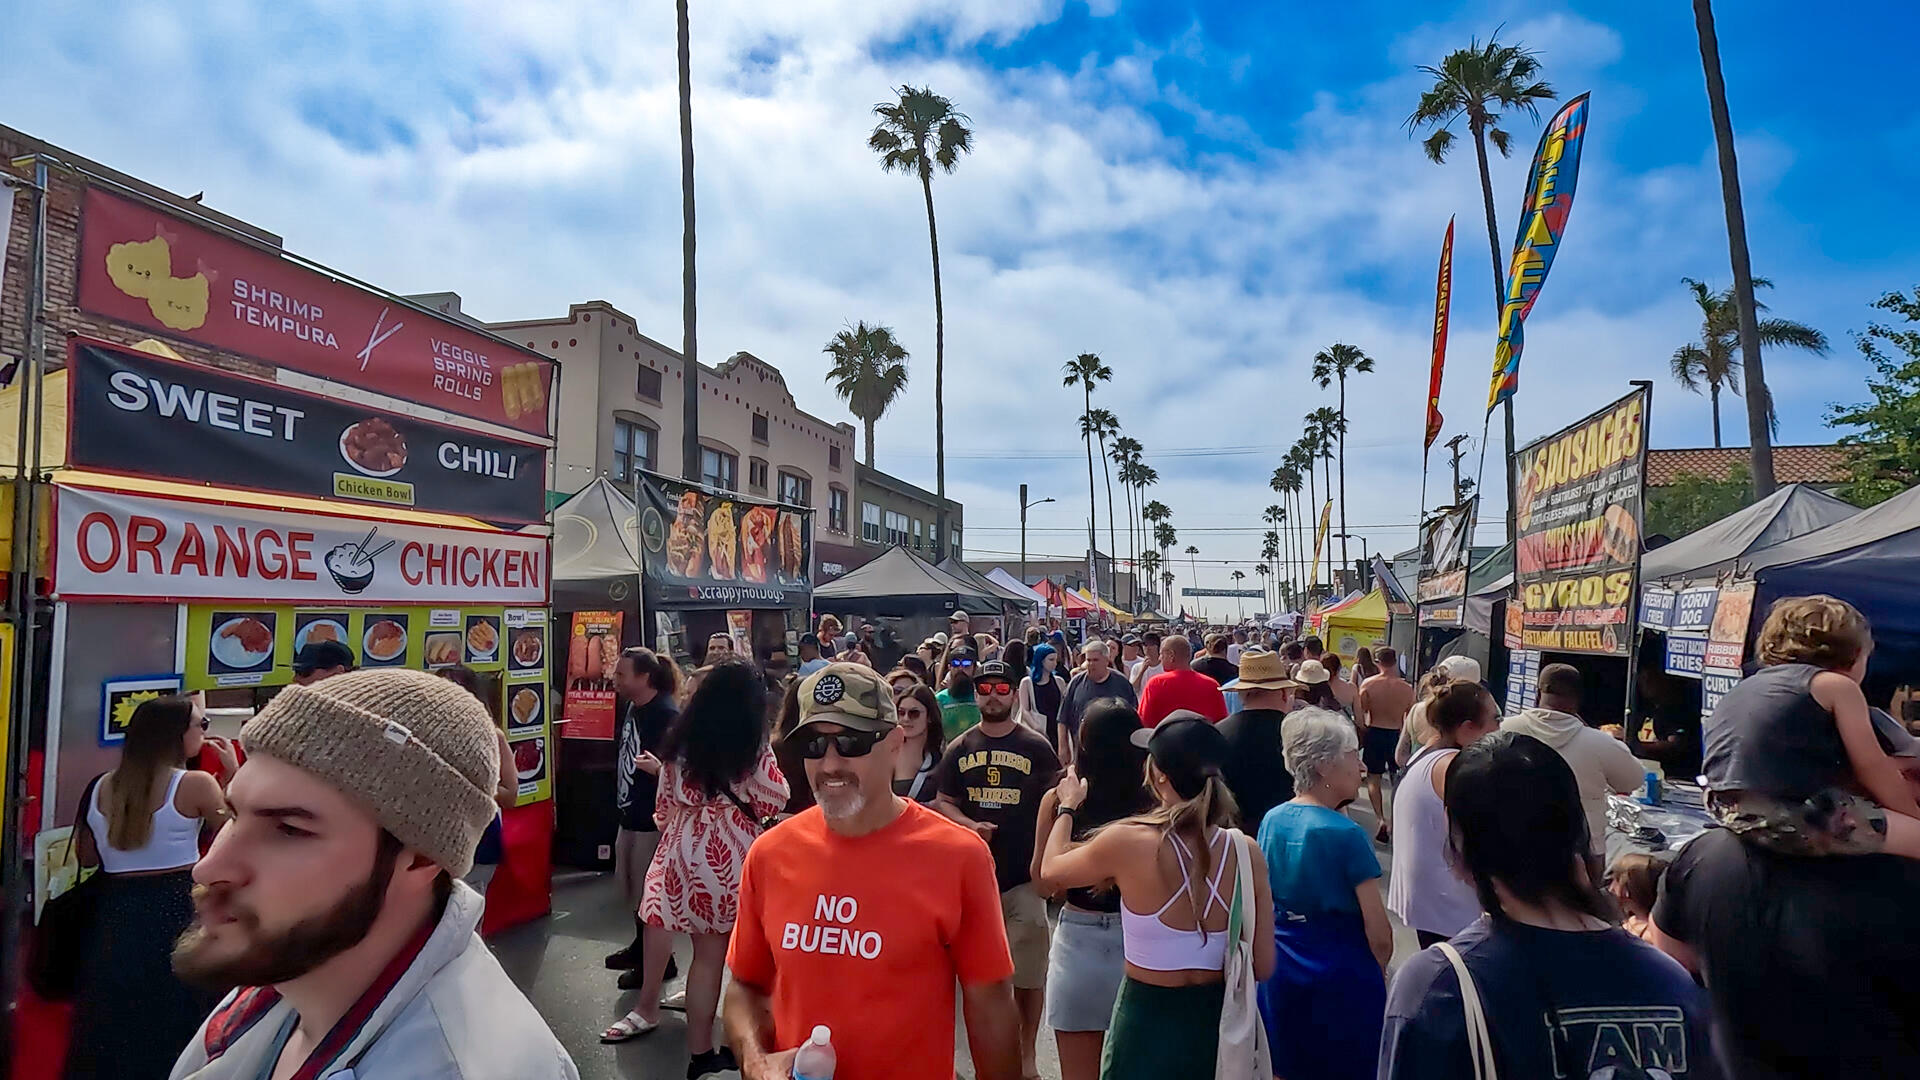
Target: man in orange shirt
<point x="1180" y="687"/>
<point x="862" y="913"/>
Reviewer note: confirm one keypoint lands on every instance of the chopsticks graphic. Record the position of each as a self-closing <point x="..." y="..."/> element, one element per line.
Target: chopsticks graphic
<point x="375" y="339"/>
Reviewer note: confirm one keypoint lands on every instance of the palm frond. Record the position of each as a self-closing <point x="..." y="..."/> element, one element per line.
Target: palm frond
<point x="1689" y="365"/>
<point x="1786" y="332"/>
<point x="1501" y="140"/>
<point x="1436" y="146"/>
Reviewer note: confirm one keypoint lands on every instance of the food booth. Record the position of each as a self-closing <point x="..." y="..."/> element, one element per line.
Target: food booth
<point x="232" y="453"/>
<point x="904" y="592"/>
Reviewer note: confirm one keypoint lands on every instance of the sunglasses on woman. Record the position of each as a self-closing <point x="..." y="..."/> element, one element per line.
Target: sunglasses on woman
<point x="850" y="744"/>
<point x="913" y="714"/>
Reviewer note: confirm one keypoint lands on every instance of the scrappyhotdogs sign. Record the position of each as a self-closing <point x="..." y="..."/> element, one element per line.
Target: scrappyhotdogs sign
<point x="115" y="545"/>
<point x="712" y="549"/>
<point x="1579" y="517"/>
<point x="146" y="268"/>
<point x="134" y="412"/>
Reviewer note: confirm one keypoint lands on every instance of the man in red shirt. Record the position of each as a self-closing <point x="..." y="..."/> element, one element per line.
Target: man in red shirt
<point x="1180" y="687"/>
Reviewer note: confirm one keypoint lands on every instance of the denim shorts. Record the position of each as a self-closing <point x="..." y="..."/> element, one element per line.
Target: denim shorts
<point x="1084" y="971"/>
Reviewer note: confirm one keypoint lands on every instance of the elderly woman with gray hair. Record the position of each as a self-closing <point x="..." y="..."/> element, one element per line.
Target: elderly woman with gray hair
<point x="1326" y="999"/>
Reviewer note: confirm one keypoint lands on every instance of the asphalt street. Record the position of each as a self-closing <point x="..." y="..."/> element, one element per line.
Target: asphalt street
<point x="557" y="962"/>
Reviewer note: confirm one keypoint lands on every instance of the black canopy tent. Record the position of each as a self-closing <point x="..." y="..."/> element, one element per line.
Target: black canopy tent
<point x="1705" y="553"/>
<point x="596" y="551"/>
<point x="901" y="583"/>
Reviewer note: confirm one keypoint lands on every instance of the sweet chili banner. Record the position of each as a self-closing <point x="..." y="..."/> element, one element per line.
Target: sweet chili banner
<point x="1543" y="222"/>
<point x="709" y="548"/>
<point x="1579" y="515"/>
<point x="113" y="545"/>
<point x="1442" y="308"/>
<point x="1443" y="555"/>
<point x="137" y="413"/>
<point x="147" y="268"/>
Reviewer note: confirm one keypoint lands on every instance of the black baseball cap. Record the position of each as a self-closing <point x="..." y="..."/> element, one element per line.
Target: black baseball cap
<point x="321" y="655"/>
<point x="995" y="669"/>
<point x="810" y="639"/>
<point x="1186" y="748"/>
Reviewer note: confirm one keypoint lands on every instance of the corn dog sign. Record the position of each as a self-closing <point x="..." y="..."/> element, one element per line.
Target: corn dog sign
<point x="150" y="269"/>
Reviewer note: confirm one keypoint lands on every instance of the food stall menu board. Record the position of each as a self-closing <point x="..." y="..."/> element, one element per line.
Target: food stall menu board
<point x="526" y="701"/>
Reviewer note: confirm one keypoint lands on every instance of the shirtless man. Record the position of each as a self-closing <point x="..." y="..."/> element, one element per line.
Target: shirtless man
<point x="1380" y="709"/>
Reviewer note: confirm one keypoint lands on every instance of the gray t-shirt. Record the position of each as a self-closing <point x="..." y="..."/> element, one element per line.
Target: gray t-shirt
<point x="1082" y="692"/>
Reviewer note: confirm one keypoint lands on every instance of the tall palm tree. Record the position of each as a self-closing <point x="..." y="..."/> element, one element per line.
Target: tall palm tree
<point x="1330" y="365"/>
<point x="1157" y="513"/>
<point x="1150" y="566"/>
<point x="869" y="371"/>
<point x="1239" y="612"/>
<point x="1270" y="549"/>
<point x="1287" y="481"/>
<point x="689" y="311"/>
<point x="1759" y="402"/>
<point x="1266" y="584"/>
<point x="1306" y="451"/>
<point x="1476" y="82"/>
<point x="918" y="131"/>
<point x="1144" y="477"/>
<point x="1166" y="582"/>
<point x="1104" y="425"/>
<point x="1086" y="371"/>
<point x="1711" y="362"/>
<point x="1126" y="459"/>
<point x="1193" y="567"/>
<point x="1165" y="537"/>
<point x="1274" y="515"/>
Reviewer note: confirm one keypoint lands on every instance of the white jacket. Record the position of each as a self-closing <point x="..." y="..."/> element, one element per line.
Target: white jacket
<point x="1600" y="762"/>
<point x="452" y="1015"/>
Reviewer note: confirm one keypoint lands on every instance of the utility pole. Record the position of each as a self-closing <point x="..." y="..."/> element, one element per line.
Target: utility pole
<point x="1453" y="448"/>
<point x="1024" y="504"/>
<point x="689" y="353"/>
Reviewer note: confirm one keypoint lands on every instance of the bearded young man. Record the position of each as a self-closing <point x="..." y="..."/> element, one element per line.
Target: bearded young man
<point x="864" y="912"/>
<point x="333" y="900"/>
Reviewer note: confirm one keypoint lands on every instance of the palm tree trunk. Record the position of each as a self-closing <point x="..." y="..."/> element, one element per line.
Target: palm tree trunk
<point x="1113" y="554"/>
<point x="1093" y="514"/>
<point x="1343" y="472"/>
<point x="1759" y="402"/>
<point x="869" y="421"/>
<point x="1133" y="553"/>
<point x="1713" y="395"/>
<point x="1499" y="278"/>
<point x="689" y="359"/>
<point x="1313" y="497"/>
<point x="939" y="369"/>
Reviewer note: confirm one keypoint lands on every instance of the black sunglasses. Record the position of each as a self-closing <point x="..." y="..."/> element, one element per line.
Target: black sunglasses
<point x="206" y="724"/>
<point x="850" y="744"/>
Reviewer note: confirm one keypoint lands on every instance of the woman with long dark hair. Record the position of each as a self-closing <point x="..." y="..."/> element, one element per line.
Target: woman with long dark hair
<point x="787" y="755"/>
<point x="1364" y="667"/>
<point x="919" y="716"/>
<point x="1088" y="958"/>
<point x="718" y="783"/>
<point x="140" y="824"/>
<point x="1550" y="971"/>
<point x="1177" y="870"/>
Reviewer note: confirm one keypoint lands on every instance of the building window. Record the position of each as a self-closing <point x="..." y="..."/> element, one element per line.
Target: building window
<point x="917" y="540"/>
<point x="870" y="522"/>
<point x="633" y="447"/>
<point x="649" y="386"/>
<point x="760" y="428"/>
<point x="833" y="457"/>
<point x="757" y="475"/>
<point x="837" y="509"/>
<point x="896" y="529"/>
<point x="719" y="469"/>
<point x="797" y="490"/>
<point x="955" y="544"/>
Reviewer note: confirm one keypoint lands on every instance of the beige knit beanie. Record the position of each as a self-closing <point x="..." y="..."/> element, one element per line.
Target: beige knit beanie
<point x="417" y="750"/>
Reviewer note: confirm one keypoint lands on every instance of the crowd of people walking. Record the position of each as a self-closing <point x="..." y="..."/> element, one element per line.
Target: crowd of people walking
<point x="1147" y="859"/>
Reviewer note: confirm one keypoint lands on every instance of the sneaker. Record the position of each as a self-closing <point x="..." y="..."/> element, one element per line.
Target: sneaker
<point x="713" y="1061"/>
<point x="624" y="960"/>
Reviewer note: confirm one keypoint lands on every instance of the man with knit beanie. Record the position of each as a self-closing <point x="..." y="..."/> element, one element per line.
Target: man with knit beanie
<point x="332" y="900"/>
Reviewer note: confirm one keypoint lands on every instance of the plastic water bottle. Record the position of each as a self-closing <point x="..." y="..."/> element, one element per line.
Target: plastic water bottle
<point x="815" y="1060"/>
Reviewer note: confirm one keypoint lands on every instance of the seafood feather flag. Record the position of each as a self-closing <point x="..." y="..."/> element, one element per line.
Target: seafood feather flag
<point x="1320" y="537"/>
<point x="1543" y="221"/>
<point x="1442" y="307"/>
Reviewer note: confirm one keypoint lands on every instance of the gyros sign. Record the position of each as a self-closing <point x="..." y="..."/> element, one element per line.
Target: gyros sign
<point x="114" y="545"/>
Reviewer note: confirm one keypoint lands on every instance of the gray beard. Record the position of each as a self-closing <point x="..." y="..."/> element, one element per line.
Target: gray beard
<point x="849" y="805"/>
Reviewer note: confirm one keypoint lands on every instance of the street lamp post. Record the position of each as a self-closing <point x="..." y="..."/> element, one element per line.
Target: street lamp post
<point x="1024" y="504"/>
<point x="1364" y="557"/>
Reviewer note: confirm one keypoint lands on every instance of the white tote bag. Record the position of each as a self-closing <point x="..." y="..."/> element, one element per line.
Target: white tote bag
<point x="1243" y="1052"/>
<point x="1479" y="1041"/>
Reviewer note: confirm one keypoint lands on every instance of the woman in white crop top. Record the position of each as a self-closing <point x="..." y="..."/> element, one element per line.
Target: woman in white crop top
<point x="1177" y="868"/>
<point x="140" y="825"/>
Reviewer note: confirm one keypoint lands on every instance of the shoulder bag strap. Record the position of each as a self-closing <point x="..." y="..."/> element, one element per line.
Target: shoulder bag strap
<point x="80" y="822"/>
<point x="763" y="824"/>
<point x="1479" y="1042"/>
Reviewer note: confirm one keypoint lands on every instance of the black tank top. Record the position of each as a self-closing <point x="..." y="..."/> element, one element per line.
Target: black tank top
<point x="1105" y="900"/>
<point x="1769" y="736"/>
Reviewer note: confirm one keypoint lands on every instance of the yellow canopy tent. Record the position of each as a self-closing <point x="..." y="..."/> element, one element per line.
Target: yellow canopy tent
<point x="1109" y="610"/>
<point x="1356" y="626"/>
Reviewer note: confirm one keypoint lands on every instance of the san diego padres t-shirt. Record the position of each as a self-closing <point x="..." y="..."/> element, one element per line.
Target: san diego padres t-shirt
<point x="1001" y="780"/>
<point x="868" y="935"/>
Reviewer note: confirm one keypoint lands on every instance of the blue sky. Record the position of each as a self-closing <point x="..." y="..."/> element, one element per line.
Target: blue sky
<point x="1204" y="193"/>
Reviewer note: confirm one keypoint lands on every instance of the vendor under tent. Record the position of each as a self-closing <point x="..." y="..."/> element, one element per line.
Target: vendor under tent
<point x="1356" y="625"/>
<point x="1703" y="554"/>
<point x="908" y="593"/>
<point x="1870" y="559"/>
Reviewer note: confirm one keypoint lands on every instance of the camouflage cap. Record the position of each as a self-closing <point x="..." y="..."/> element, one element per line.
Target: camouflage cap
<point x="851" y="695"/>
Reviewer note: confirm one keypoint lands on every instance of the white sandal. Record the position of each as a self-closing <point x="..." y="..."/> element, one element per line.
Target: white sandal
<point x="630" y="1026"/>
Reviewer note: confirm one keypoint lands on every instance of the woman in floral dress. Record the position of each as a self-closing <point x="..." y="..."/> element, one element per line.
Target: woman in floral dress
<point x="718" y="783"/>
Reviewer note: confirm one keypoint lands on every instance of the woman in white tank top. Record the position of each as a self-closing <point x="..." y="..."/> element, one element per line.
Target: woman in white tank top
<point x="1423" y="890"/>
<point x="140" y="825"/>
<point x="1177" y="870"/>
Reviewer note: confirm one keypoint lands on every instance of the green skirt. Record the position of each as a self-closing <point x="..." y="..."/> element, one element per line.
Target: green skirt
<point x="1163" y="1032"/>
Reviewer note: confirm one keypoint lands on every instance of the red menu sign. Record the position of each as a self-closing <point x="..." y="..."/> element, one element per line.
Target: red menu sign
<point x="147" y="268"/>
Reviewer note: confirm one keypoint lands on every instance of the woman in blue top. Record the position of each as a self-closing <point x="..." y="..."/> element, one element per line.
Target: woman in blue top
<point x="1324" y="1002"/>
